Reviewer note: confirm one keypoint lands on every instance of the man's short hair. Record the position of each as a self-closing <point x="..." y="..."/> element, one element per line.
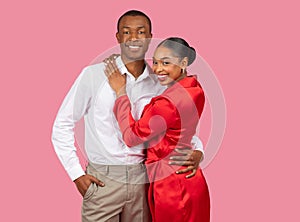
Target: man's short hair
<point x="135" y="13"/>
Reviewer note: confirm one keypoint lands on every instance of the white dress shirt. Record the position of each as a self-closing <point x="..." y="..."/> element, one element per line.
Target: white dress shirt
<point x="91" y="97"/>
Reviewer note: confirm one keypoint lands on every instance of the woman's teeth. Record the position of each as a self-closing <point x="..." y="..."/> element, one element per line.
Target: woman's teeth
<point x="161" y="77"/>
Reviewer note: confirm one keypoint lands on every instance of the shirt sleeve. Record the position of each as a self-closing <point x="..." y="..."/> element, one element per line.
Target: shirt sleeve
<point x="73" y="108"/>
<point x="154" y="120"/>
<point x="198" y="145"/>
<point x="196" y="141"/>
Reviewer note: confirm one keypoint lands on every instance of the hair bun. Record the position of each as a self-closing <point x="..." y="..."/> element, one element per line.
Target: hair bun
<point x="191" y="55"/>
<point x="180" y="47"/>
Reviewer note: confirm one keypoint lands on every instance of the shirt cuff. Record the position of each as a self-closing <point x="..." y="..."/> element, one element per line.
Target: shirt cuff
<point x="75" y="172"/>
<point x="199" y="146"/>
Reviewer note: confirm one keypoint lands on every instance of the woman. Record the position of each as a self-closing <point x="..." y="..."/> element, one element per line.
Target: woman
<point x="169" y="121"/>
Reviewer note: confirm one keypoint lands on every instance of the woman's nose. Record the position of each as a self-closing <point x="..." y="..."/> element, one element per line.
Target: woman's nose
<point x="159" y="68"/>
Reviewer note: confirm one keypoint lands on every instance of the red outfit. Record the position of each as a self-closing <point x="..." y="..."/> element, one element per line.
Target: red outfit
<point x="169" y="121"/>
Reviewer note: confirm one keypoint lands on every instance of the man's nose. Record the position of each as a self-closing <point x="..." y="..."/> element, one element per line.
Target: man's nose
<point x="133" y="36"/>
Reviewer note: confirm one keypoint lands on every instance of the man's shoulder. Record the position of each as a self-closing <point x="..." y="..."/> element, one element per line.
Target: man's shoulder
<point x="94" y="68"/>
<point x="93" y="71"/>
<point x="92" y="74"/>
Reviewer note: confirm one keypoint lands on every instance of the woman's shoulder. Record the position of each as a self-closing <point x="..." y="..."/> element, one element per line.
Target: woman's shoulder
<point x="159" y="105"/>
<point x="191" y="81"/>
<point x="161" y="99"/>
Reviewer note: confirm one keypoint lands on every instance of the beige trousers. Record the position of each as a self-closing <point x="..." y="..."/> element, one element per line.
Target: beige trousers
<point x="123" y="198"/>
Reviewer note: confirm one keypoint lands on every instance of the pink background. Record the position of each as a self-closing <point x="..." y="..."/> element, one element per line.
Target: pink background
<point x="253" y="48"/>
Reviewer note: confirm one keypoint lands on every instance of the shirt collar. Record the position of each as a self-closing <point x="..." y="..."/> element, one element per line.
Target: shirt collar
<point x="147" y="73"/>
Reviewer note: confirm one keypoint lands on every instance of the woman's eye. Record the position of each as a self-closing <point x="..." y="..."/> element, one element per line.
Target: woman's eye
<point x="166" y="63"/>
<point x="154" y="63"/>
<point x="141" y="32"/>
<point x="126" y="33"/>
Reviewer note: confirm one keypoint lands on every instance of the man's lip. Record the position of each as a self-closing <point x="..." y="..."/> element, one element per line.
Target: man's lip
<point x="134" y="46"/>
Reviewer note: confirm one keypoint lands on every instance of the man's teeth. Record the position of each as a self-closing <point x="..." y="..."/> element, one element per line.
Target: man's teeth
<point x="134" y="47"/>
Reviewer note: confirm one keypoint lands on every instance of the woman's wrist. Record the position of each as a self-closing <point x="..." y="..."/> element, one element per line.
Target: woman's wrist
<point x="121" y="92"/>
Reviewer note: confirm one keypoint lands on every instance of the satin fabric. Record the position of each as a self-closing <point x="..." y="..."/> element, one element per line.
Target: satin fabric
<point x="169" y="121"/>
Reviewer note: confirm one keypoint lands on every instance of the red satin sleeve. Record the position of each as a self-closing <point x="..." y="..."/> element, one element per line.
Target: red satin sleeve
<point x="157" y="116"/>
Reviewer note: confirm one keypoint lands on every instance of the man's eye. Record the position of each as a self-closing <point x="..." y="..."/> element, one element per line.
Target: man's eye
<point x="166" y="63"/>
<point x="154" y="63"/>
<point x="125" y="32"/>
<point x="141" y="32"/>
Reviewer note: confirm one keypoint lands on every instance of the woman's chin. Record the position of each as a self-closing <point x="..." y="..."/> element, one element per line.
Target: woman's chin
<point x="166" y="83"/>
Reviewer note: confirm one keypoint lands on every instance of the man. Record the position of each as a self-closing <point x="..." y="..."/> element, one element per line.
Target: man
<point x="113" y="187"/>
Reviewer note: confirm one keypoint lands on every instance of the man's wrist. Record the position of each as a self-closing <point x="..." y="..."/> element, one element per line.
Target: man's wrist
<point x="202" y="156"/>
<point x="76" y="172"/>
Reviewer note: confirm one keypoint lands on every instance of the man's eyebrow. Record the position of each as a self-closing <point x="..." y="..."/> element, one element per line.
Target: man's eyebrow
<point x="127" y="27"/>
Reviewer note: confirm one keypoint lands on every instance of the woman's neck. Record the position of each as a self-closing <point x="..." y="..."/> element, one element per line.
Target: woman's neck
<point x="182" y="76"/>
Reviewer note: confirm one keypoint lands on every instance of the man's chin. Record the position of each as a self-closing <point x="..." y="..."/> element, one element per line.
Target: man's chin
<point x="134" y="56"/>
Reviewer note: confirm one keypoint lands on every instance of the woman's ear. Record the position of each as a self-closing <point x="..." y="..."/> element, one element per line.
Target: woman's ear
<point x="184" y="63"/>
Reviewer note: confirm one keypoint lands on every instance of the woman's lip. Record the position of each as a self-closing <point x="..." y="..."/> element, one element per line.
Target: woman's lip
<point x="161" y="76"/>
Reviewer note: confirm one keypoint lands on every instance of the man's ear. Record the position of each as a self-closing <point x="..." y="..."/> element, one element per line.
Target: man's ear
<point x="118" y="37"/>
<point x="149" y="39"/>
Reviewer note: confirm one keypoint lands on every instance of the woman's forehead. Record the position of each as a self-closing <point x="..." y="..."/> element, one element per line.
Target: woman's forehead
<point x="164" y="53"/>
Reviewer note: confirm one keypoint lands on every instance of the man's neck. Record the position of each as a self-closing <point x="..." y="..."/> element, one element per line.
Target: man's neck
<point x="136" y="68"/>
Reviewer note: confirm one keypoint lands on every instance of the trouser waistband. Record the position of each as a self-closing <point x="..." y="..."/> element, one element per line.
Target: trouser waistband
<point x="135" y="173"/>
<point x="116" y="168"/>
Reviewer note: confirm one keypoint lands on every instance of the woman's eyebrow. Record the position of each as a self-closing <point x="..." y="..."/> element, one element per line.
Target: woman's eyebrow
<point x="162" y="58"/>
